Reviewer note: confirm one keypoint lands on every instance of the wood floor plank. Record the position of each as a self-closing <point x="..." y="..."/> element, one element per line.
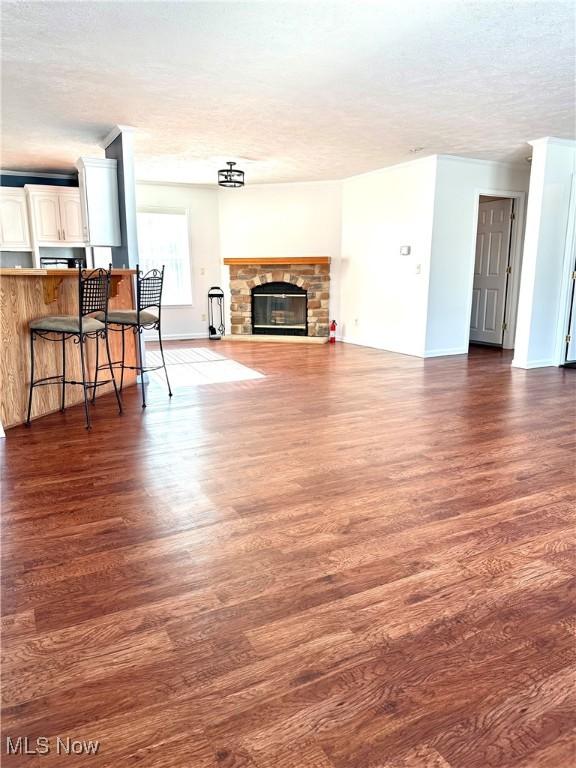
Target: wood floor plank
<point x="157" y="736"/>
<point x="559" y="753"/>
<point x="407" y="605"/>
<point x="502" y="735"/>
<point x="333" y="703"/>
<point x="357" y="560"/>
<point x="22" y="682"/>
<point x="421" y="757"/>
<point x="306" y="753"/>
<point x="17" y="625"/>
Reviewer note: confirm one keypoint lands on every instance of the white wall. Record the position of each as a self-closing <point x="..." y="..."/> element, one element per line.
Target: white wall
<point x="283" y="220"/>
<point x="383" y="295"/>
<point x="547" y="255"/>
<point x="459" y="183"/>
<point x="204" y="235"/>
<point x="294" y="219"/>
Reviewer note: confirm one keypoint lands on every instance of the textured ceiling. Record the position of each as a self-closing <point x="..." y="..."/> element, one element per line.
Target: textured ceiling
<point x="301" y="90"/>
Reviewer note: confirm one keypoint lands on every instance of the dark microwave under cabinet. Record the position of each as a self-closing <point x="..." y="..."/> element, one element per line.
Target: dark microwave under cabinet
<point x="62" y="261"/>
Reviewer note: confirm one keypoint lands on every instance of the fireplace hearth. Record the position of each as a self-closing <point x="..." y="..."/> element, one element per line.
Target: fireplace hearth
<point x="279" y="309"/>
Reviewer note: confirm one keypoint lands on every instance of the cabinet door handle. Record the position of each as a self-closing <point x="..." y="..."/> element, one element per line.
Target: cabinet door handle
<point x="63" y="235"/>
<point x="59" y="238"/>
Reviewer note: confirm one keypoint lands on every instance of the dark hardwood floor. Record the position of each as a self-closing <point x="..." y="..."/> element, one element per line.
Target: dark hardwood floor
<point x="311" y="557"/>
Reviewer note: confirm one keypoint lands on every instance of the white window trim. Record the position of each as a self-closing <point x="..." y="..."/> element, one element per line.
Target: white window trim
<point x="186" y="212"/>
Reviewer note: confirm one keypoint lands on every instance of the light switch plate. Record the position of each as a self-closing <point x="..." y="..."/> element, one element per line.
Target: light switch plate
<point x="405" y="250"/>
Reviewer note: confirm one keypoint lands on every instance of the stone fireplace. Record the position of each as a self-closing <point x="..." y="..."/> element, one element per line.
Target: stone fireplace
<point x="277" y="297"/>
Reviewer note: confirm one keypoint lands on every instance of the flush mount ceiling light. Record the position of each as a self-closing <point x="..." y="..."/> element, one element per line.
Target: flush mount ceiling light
<point x="230" y="177"/>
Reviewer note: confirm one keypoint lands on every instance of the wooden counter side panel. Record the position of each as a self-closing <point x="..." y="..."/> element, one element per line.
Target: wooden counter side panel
<point x="22" y="299"/>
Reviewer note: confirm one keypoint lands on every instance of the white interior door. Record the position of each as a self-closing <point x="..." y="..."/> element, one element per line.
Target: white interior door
<point x="490" y="271"/>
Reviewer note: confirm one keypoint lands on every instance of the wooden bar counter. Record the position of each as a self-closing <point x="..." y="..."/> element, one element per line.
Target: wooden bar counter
<point x="26" y="294"/>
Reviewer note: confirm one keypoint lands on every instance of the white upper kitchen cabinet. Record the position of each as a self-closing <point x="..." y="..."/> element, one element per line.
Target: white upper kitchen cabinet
<point x="56" y="214"/>
<point x="14" y="226"/>
<point x="45" y="216"/>
<point x="70" y="205"/>
<point x="98" y="179"/>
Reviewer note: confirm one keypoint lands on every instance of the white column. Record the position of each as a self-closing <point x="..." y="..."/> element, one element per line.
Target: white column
<point x="545" y="265"/>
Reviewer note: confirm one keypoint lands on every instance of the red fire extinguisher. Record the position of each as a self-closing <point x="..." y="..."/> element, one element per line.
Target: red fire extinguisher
<point x="333" y="332"/>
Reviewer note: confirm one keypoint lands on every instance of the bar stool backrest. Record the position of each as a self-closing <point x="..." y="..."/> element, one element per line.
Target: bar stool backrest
<point x="149" y="288"/>
<point x="94" y="288"/>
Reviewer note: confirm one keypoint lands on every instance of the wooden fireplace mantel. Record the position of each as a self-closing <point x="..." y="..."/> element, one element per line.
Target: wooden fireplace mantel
<point x="271" y="260"/>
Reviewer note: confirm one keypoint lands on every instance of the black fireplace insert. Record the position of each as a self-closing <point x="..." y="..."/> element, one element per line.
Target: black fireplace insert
<point x="280" y="308"/>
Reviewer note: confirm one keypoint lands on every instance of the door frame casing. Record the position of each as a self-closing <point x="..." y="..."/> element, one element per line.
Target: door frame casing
<point x="515" y="262"/>
<point x="566" y="286"/>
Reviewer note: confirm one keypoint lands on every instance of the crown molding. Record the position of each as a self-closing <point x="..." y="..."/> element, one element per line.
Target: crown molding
<point x="429" y="158"/>
<point x="518" y="164"/>
<point x="39" y="175"/>
<point x="91" y="162"/>
<point x="114" y="133"/>
<point x="553" y="140"/>
<point x="190" y="184"/>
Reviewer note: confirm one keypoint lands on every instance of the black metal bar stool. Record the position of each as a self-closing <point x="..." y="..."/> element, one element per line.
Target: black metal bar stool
<point x="146" y="316"/>
<point x="93" y="289"/>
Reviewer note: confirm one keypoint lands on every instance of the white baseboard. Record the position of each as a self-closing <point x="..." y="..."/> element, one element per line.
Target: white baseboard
<point x="373" y="345"/>
<point x="431" y="353"/>
<point x="534" y="364"/>
<point x="446" y="352"/>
